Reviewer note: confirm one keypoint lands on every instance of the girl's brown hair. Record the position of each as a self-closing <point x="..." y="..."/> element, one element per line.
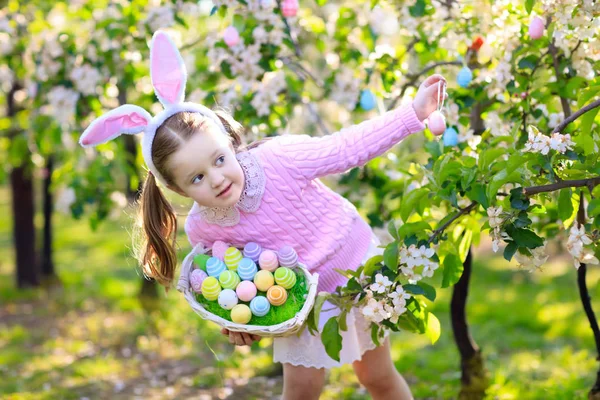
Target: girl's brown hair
<point x="157" y="221"/>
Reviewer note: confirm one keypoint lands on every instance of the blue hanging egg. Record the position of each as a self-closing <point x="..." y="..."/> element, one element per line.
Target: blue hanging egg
<point x="450" y="137"/>
<point x="367" y="100"/>
<point x="214" y="267"/>
<point x="247" y="269"/>
<point x="464" y="77"/>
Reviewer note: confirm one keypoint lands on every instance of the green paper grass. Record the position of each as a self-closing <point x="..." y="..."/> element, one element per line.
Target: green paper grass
<point x="276" y="314"/>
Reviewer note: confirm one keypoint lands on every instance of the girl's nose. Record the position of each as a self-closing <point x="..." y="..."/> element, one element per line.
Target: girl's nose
<point x="217" y="180"/>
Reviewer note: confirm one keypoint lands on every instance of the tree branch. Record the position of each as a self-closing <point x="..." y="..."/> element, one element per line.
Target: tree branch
<point x="577" y="114"/>
<point x="563" y="101"/>
<point x="590" y="183"/>
<point x="442" y="228"/>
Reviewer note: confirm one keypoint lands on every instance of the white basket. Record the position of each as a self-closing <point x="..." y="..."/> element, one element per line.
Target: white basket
<point x="285" y="328"/>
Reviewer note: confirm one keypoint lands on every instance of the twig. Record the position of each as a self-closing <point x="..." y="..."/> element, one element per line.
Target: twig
<point x="576" y="115"/>
<point x="442" y="228"/>
<point x="563" y="101"/>
<point x="590" y="183"/>
<point x="289" y="31"/>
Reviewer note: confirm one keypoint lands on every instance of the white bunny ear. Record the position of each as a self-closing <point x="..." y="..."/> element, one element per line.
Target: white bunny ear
<point x="124" y="119"/>
<point x="167" y="70"/>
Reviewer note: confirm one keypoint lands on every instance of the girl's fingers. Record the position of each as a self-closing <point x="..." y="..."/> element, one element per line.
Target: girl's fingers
<point x="225" y="331"/>
<point x="433" y="79"/>
<point x="255" y="338"/>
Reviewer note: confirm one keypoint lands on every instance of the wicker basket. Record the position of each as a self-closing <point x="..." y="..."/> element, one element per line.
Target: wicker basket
<point x="285" y="328"/>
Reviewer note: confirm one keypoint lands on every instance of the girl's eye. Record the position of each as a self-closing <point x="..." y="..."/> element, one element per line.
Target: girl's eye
<point x="198" y="177"/>
<point x="220" y="160"/>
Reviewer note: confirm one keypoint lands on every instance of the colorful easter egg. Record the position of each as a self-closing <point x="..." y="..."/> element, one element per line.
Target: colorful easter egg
<point x="241" y="314"/>
<point x="260" y="306"/>
<point x="289" y="8"/>
<point x="200" y="261"/>
<point x="228" y="299"/>
<point x="196" y="278"/>
<point x="277" y="295"/>
<point x="268" y="260"/>
<point x="367" y="100"/>
<point x="246" y="290"/>
<point x="211" y="288"/>
<point x="229" y="280"/>
<point x="285" y="277"/>
<point x="287" y="257"/>
<point x="437" y="123"/>
<point x="264" y="280"/>
<point x="465" y="75"/>
<point x="536" y="27"/>
<point x="232" y="258"/>
<point x="247" y="269"/>
<point x="218" y="249"/>
<point x="214" y="267"/>
<point x="450" y="137"/>
<point x="252" y="251"/>
<point x="231" y="36"/>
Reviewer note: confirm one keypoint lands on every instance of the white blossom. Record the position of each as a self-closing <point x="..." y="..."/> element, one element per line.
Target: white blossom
<point x="381" y="283"/>
<point x="494" y="216"/>
<point x="62" y="103"/>
<point x="575" y="245"/>
<point x="86" y="79"/>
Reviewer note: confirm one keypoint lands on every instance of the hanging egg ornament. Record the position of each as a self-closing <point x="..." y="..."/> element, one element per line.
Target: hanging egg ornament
<point x="200" y="261"/>
<point x="536" y="27"/>
<point x="241" y="314"/>
<point x="260" y="306"/>
<point x="219" y="248"/>
<point x="196" y="278"/>
<point x="437" y="123"/>
<point x="264" y="280"/>
<point x="367" y="100"/>
<point x="214" y="267"/>
<point x="232" y="258"/>
<point x="231" y="36"/>
<point x="246" y="291"/>
<point x="285" y="277"/>
<point x="229" y="280"/>
<point x="450" y="137"/>
<point x="277" y="295"/>
<point x="289" y="8"/>
<point x="465" y="76"/>
<point x="252" y="251"/>
<point x="268" y="260"/>
<point x="287" y="257"/>
<point x="247" y="269"/>
<point x="211" y="288"/>
<point x="227" y="299"/>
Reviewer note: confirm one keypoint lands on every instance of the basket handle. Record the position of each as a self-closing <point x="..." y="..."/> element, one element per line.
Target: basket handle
<point x="183" y="284"/>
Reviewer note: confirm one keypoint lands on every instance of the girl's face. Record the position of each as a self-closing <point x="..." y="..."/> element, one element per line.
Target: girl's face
<point x="206" y="169"/>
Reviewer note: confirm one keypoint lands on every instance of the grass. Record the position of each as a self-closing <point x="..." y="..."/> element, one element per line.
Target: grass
<point x="93" y="337"/>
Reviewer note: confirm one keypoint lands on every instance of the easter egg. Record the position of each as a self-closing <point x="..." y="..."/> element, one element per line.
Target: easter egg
<point x="231" y="36"/>
<point x="367" y="100"/>
<point x="289" y="8"/>
<point x="219" y="248"/>
<point x="200" y="261"/>
<point x="465" y="75"/>
<point x="437" y="123"/>
<point x="228" y="299"/>
<point x="214" y="267"/>
<point x="264" y="280"/>
<point x="196" y="278"/>
<point x="285" y="277"/>
<point x="229" y="280"/>
<point x="450" y="137"/>
<point x="252" y="251"/>
<point x="477" y="43"/>
<point x="247" y="269"/>
<point x="246" y="291"/>
<point x="268" y="260"/>
<point x="536" y="27"/>
<point x="260" y="306"/>
<point x="241" y="314"/>
<point x="232" y="258"/>
<point x="277" y="295"/>
<point x="211" y="288"/>
<point x="287" y="257"/>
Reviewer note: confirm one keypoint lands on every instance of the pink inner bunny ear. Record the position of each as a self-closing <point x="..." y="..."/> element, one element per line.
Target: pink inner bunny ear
<point x="167" y="70"/>
<point x="113" y="124"/>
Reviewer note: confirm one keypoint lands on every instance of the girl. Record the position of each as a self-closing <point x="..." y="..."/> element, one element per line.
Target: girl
<point x="269" y="194"/>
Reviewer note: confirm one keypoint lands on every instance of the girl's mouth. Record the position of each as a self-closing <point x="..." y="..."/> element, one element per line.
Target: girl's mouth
<point x="225" y="191"/>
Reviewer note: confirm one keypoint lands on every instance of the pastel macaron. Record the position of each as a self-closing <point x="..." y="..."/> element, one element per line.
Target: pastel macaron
<point x="264" y="280"/>
<point x="246" y="291"/>
<point x="260" y="306"/>
<point x="211" y="288"/>
<point x="227" y="299"/>
<point x="196" y="278"/>
<point x="232" y="258"/>
<point x="252" y="251"/>
<point x="214" y="267"/>
<point x="268" y="260"/>
<point x="277" y="295"/>
<point x="246" y="269"/>
<point x="287" y="257"/>
<point x="241" y="314"/>
<point x="285" y="277"/>
<point x="229" y="279"/>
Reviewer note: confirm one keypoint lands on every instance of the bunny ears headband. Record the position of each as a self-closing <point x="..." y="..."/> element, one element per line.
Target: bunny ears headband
<point x="168" y="74"/>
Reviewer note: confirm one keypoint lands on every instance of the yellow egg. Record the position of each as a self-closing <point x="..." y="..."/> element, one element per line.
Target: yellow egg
<point x="211" y="288"/>
<point x="264" y="280"/>
<point x="277" y="295"/>
<point x="241" y="314"/>
<point x="232" y="258"/>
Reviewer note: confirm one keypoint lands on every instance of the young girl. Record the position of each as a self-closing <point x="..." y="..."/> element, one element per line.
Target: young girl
<point x="269" y="194"/>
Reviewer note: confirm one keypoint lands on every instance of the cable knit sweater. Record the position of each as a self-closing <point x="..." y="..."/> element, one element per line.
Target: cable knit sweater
<point x="284" y="203"/>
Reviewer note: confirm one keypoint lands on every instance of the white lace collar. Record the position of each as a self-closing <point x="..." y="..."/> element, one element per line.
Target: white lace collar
<point x="254" y="188"/>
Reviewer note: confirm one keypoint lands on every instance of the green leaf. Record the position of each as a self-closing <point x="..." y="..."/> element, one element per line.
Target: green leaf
<point x="390" y="256"/>
<point x="413" y="289"/>
<point x="565" y="206"/>
<point x="319" y="301"/>
<point x="529" y="5"/>
<point x="518" y="200"/>
<point x="510" y="250"/>
<point x="372" y="265"/>
<point x="453" y="270"/>
<point x="465" y="244"/>
<point x="343" y="324"/>
<point x="428" y="290"/>
<point x="418" y="9"/>
<point x="393" y="230"/>
<point x="593" y="208"/>
<point x="375" y="334"/>
<point x="409" y="201"/>
<point x="524" y="237"/>
<point x="321" y="2"/>
<point x="331" y="338"/>
<point x="412" y="228"/>
<point x="432" y="327"/>
<point x="239" y="23"/>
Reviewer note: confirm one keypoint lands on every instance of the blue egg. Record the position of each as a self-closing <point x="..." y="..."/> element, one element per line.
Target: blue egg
<point x="214" y="267"/>
<point x="260" y="306"/>
<point x="247" y="269"/>
<point x="450" y="137"/>
<point x="367" y="100"/>
<point x="464" y="77"/>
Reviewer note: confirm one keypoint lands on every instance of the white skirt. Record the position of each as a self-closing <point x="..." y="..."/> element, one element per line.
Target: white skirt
<point x="308" y="351"/>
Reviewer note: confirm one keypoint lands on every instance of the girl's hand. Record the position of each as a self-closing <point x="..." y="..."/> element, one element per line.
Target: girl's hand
<point x="240" y="338"/>
<point x="426" y="100"/>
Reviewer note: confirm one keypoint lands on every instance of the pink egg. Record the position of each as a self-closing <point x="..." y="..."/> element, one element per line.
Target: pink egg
<point x="437" y="123"/>
<point x="231" y="36"/>
<point x="536" y="28"/>
<point x="246" y="290"/>
<point x="219" y="248"/>
<point x="289" y="8"/>
<point x="268" y="260"/>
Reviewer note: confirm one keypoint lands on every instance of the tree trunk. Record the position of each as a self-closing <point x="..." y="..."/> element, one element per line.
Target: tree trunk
<point x="47" y="264"/>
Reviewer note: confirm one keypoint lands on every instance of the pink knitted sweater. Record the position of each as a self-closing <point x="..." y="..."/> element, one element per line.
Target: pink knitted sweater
<point x="284" y="203"/>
